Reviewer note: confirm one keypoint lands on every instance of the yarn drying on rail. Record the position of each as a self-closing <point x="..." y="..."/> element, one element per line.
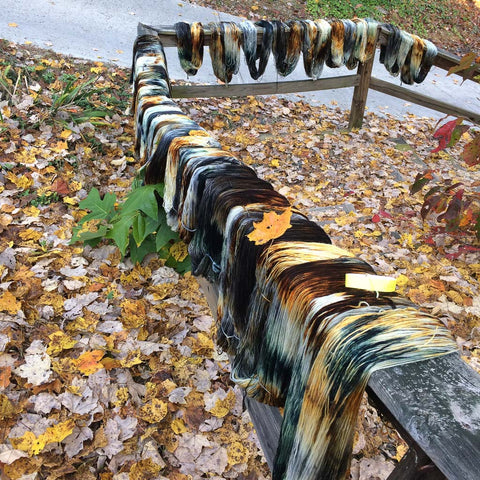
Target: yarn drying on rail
<point x="335" y="43"/>
<point x="296" y="334"/>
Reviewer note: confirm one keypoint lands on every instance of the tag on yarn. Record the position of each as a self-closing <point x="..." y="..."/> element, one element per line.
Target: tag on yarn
<point x="372" y="283"/>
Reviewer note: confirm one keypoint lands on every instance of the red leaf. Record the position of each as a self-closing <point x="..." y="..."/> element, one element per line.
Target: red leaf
<point x="444" y="134"/>
<point x="453" y="212"/>
<point x="376" y="218"/>
<point x="461" y="250"/>
<point x="384" y="214"/>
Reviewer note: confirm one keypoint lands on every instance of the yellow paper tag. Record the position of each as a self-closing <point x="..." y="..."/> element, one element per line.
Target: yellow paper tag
<point x="372" y="283"/>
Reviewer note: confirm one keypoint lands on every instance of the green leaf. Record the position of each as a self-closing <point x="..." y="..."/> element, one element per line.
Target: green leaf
<point x="182" y="267"/>
<point x="88" y="236"/>
<point x="457" y="133"/>
<point x="143" y="227"/>
<point x="164" y="236"/>
<point x="138" y="231"/>
<point x="120" y="232"/>
<point x="144" y="199"/>
<point x="138" y="253"/>
<point x="420" y="181"/>
<point x="99" y="208"/>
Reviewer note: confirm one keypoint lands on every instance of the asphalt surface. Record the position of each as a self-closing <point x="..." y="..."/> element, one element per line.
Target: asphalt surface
<point x="105" y="30"/>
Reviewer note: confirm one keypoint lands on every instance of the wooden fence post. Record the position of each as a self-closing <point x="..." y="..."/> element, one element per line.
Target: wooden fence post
<point x="360" y="93"/>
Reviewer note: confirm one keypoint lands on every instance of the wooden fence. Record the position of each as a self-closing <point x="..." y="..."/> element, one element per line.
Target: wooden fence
<point x="434" y="404"/>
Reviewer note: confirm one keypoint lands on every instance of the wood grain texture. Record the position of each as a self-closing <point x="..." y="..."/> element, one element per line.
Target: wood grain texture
<point x="437" y="402"/>
<point x="360" y="93"/>
<point x="270" y="88"/>
<point x="423" y="100"/>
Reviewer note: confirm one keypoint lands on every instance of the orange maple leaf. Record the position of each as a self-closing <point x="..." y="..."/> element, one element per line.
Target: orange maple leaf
<point x="272" y="226"/>
<point x="89" y="362"/>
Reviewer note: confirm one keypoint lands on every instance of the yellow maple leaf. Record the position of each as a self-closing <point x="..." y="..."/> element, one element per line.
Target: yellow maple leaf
<point x="65" y="134"/>
<point x="272" y="226"/>
<point x="237" y="453"/>
<point x="23" y="182"/>
<point x="26" y="156"/>
<point x="178" y="426"/>
<point x="75" y="186"/>
<point x="30" y="235"/>
<point x="9" y="303"/>
<point x="203" y="345"/>
<point x="60" y="147"/>
<point x="223" y="407"/>
<point x="31" y="211"/>
<point x="59" y="341"/>
<point x="154" y="411"/>
<point x="7" y="409"/>
<point x="144" y="469"/>
<point x="33" y="445"/>
<point x="133" y="358"/>
<point x="401" y="451"/>
<point x="70" y="200"/>
<point x="13" y="24"/>
<point x="58" y="432"/>
<point x="25" y="443"/>
<point x="89" y="362"/>
<point x="133" y="313"/>
<point x="179" y="251"/>
<point x="98" y="69"/>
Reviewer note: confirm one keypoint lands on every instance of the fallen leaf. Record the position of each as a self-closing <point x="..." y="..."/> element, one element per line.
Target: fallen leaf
<point x="154" y="411"/>
<point x="9" y="303"/>
<point x="89" y="362"/>
<point x="272" y="226"/>
<point x="33" y="445"/>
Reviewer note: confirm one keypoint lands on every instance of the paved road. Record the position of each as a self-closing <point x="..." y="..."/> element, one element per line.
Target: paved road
<point x="105" y="30"/>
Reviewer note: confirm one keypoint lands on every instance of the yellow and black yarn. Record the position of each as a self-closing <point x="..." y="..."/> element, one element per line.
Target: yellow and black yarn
<point x="297" y="335"/>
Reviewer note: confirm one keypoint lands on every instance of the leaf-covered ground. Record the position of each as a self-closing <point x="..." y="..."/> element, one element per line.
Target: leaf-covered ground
<point x="109" y="370"/>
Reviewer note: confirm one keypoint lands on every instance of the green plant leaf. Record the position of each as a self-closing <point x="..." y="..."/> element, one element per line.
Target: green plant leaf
<point x="420" y="181"/>
<point x="87" y="236"/>
<point x="144" y="199"/>
<point x="99" y="208"/>
<point x="180" y="267"/>
<point x="164" y="236"/>
<point x="120" y="232"/>
<point x="143" y="226"/>
<point x="138" y="253"/>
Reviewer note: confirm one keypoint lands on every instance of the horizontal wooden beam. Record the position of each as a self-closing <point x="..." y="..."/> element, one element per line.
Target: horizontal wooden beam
<point x="437" y="403"/>
<point x="423" y="100"/>
<point x="270" y="88"/>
